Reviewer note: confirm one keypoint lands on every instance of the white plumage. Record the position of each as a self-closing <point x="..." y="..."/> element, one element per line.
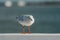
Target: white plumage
<point x="26" y="20"/>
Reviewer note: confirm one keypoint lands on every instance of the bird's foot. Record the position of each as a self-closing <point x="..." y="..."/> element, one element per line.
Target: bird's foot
<point x="26" y="32"/>
<point x="23" y="32"/>
<point x="29" y="32"/>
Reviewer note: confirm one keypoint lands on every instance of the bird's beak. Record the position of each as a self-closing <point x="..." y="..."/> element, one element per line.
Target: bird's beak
<point x="16" y="17"/>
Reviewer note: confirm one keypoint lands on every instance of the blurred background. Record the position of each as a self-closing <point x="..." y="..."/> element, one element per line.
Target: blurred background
<point x="45" y="12"/>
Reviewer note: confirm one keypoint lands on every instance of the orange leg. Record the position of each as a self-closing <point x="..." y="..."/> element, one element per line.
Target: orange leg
<point x="29" y="29"/>
<point x="23" y="29"/>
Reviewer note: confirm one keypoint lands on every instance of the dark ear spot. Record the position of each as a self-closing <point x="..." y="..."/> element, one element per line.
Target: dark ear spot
<point x="31" y="19"/>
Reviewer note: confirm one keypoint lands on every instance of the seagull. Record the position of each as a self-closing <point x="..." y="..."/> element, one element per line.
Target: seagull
<point x="25" y="20"/>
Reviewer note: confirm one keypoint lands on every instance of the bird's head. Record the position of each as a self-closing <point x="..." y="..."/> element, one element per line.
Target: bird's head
<point x="31" y="16"/>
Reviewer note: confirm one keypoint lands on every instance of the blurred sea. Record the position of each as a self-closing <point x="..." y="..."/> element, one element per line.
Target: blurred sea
<point x="47" y="19"/>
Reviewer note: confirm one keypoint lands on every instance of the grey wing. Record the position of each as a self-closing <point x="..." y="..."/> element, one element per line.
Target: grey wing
<point x="21" y="18"/>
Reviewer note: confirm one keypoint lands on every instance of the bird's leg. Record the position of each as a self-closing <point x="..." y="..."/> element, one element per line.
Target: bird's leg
<point x="23" y="29"/>
<point x="29" y="29"/>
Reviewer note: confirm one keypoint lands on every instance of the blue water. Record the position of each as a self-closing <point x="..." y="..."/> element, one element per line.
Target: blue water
<point x="47" y="19"/>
